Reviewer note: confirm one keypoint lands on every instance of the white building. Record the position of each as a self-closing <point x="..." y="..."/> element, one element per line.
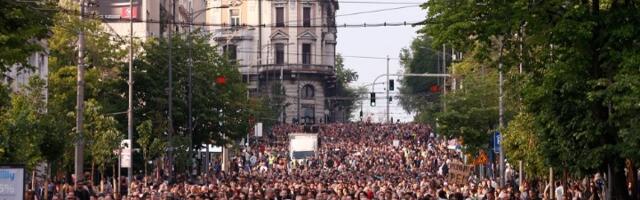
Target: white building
<point x="18" y="76"/>
<point x="294" y="46"/>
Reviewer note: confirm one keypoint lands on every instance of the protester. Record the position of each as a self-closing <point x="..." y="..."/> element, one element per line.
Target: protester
<point x="353" y="161"/>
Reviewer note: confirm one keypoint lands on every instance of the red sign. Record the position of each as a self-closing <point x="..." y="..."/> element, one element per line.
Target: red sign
<point x="126" y="13"/>
<point x="221" y="80"/>
<point x="435" y="89"/>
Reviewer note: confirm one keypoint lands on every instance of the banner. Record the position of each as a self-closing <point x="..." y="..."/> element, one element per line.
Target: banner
<point x="11" y="182"/>
<point x="302" y="145"/>
<point x="459" y="173"/>
<point x="125" y="154"/>
<point x="258" y="129"/>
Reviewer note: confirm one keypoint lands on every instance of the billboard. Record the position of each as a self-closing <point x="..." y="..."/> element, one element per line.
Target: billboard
<point x="11" y="182"/>
<point x="118" y="9"/>
<point x="302" y="145"/>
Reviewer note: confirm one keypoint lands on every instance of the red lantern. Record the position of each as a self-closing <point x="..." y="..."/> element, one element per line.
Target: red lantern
<point x="221" y="80"/>
<point x="435" y="88"/>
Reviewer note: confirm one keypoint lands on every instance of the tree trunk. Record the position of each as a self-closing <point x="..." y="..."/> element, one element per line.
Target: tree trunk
<point x="632" y="177"/>
<point x="93" y="168"/>
<point x="101" y="179"/>
<point x="619" y="182"/>
<point x="114" y="183"/>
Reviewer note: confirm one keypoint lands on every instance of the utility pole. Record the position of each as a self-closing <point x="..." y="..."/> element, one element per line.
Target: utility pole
<point x="388" y="100"/>
<point x="444" y="79"/>
<point x="259" y="46"/>
<point x="79" y="146"/>
<point x="170" y="98"/>
<point x="190" y="95"/>
<point x="130" y="108"/>
<point x="501" y="115"/>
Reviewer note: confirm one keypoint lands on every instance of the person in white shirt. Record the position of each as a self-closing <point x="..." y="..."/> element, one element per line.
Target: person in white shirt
<point x="559" y="191"/>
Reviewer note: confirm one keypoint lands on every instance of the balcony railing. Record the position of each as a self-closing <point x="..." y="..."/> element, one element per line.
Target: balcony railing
<point x="298" y="68"/>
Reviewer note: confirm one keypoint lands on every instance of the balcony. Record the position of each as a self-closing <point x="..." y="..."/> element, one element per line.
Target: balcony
<point x="299" y="68"/>
<point x="232" y="33"/>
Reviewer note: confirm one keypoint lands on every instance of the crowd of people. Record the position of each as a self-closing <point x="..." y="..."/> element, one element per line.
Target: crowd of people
<point x="353" y="161"/>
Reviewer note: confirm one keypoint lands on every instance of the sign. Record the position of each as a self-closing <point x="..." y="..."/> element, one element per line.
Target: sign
<point x="459" y="172"/>
<point x="481" y="159"/>
<point x="302" y="145"/>
<point x="127" y="13"/>
<point x="258" y="129"/>
<point x="11" y="182"/>
<point x="496" y="141"/>
<point x="396" y="143"/>
<point x="125" y="154"/>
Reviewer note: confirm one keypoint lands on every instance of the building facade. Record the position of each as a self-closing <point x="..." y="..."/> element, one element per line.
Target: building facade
<point x="17" y="77"/>
<point x="294" y="49"/>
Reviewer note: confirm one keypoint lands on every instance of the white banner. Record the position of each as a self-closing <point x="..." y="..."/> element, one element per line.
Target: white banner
<point x="396" y="143"/>
<point x="258" y="129"/>
<point x="125" y="154"/>
<point x="302" y="145"/>
<point x="11" y="182"/>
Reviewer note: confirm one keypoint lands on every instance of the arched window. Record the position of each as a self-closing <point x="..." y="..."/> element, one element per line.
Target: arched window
<point x="308" y="92"/>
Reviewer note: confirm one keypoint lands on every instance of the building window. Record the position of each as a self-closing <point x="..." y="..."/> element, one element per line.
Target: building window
<point x="306" y="54"/>
<point x="279" y="53"/>
<point x="229" y="51"/>
<point x="308" y="113"/>
<point x="306" y="15"/>
<point x="308" y="92"/>
<point x="279" y="16"/>
<point x="234" y="16"/>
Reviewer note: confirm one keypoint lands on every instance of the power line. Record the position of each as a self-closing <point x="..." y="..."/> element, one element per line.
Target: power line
<point x="356" y="13"/>
<point x="363" y="25"/>
<point x="375" y="11"/>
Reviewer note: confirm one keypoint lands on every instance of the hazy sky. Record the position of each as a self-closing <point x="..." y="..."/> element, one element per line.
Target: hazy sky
<point x="377" y="42"/>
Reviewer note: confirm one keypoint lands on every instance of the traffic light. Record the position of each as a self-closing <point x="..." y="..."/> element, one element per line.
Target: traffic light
<point x="390" y="98"/>
<point x="373" y="99"/>
<point x="391" y="85"/>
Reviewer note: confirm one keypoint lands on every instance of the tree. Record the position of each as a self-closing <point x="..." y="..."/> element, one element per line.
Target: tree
<point x="23" y="125"/>
<point x="24" y="25"/>
<point x="102" y="135"/>
<point x="578" y="82"/>
<point x="520" y="143"/>
<point x="218" y="109"/>
<point x="104" y="63"/>
<point x="152" y="145"/>
<point x="472" y="111"/>
<point x="416" y="92"/>
<point x="348" y="95"/>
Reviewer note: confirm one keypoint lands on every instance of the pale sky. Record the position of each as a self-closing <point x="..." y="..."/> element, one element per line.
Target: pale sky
<point x="377" y="42"/>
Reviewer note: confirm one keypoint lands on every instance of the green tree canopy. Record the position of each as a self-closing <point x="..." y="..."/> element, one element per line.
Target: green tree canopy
<point x="23" y="24"/>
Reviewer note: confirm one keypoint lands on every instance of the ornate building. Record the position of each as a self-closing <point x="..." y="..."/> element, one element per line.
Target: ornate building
<point x="294" y="47"/>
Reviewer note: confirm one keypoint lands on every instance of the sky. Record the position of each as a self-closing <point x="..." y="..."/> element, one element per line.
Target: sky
<point x="377" y="42"/>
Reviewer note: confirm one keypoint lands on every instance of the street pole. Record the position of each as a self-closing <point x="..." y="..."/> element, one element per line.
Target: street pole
<point x="79" y="146"/>
<point x="444" y="79"/>
<point x="259" y="47"/>
<point x="170" y="99"/>
<point x="388" y="102"/>
<point x="130" y="96"/>
<point x="501" y="115"/>
<point x="189" y="97"/>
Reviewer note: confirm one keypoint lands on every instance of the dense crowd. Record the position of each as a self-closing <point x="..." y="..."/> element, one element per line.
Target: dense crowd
<point x="353" y="161"/>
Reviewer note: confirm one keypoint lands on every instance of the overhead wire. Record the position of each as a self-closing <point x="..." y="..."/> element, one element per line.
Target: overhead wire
<point x="345" y="25"/>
